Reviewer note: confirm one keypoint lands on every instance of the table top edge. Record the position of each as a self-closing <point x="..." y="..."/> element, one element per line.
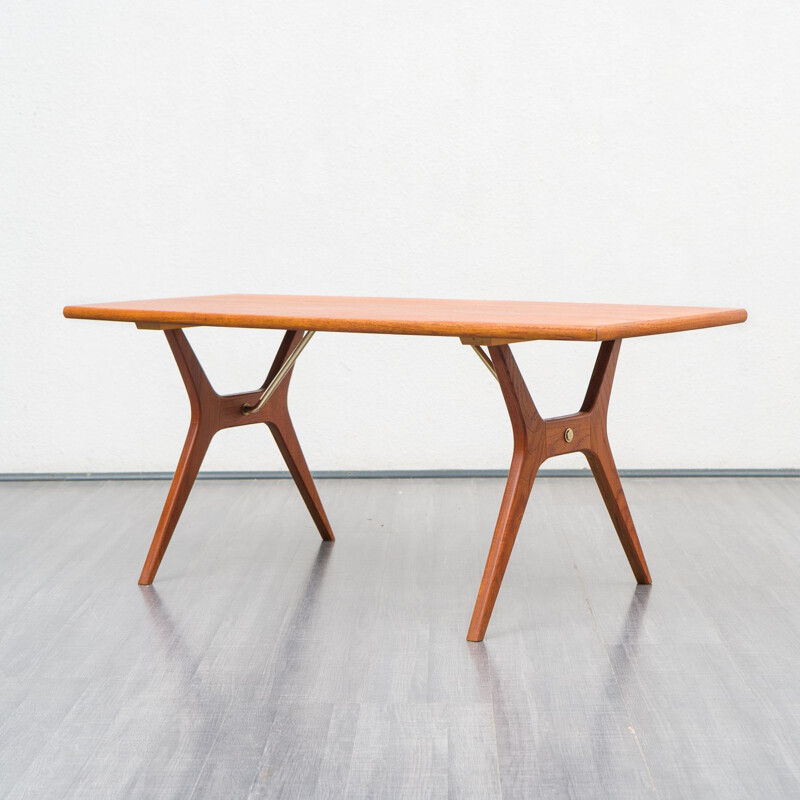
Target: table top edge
<point x="686" y="318"/>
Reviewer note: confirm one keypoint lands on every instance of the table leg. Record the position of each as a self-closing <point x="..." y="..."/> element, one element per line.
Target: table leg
<point x="210" y="413"/>
<point x="537" y="439"/>
<point x="529" y="452"/>
<point x="601" y="460"/>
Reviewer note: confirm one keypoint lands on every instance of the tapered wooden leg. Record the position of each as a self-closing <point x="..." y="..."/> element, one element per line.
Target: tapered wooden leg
<point x="204" y="403"/>
<point x="601" y="461"/>
<point x="286" y="439"/>
<point x="192" y="456"/>
<point x="529" y="452"/>
<point x="280" y="424"/>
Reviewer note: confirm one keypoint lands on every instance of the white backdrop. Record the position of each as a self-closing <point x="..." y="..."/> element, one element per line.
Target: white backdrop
<point x="613" y="152"/>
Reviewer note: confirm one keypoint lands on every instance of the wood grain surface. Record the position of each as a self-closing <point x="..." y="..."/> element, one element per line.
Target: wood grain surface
<point x="516" y="320"/>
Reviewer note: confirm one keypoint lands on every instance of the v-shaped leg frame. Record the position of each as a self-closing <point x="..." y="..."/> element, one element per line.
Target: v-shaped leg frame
<point x="212" y="412"/>
<point x="536" y="440"/>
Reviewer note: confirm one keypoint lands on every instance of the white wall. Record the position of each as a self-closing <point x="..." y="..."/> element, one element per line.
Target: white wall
<point x="621" y="152"/>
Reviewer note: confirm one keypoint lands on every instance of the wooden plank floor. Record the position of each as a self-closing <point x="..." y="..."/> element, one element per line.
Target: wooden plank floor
<point x="265" y="664"/>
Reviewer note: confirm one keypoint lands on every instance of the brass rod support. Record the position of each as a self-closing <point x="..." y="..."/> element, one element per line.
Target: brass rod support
<point x="485" y="358"/>
<point x="279" y="376"/>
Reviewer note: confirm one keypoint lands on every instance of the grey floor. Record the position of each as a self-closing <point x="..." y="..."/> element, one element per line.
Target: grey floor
<point x="263" y="663"/>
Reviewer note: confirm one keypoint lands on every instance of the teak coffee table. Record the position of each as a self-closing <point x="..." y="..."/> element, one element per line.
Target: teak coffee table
<point x="491" y="324"/>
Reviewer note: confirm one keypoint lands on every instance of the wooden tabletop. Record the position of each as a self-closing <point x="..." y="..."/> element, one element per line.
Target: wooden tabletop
<point x="506" y="319"/>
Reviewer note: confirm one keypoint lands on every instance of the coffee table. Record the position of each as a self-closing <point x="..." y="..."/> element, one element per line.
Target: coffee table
<point x="489" y="327"/>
